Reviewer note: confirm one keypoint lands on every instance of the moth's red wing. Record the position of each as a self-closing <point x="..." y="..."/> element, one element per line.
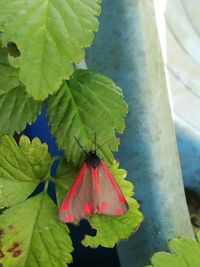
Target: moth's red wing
<point x="80" y="201"/>
<point x="110" y="198"/>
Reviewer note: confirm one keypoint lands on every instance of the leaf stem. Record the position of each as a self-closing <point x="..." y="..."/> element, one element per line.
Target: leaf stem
<point x="46" y="185"/>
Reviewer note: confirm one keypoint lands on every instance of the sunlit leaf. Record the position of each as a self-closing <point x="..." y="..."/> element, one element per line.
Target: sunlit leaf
<point x="18" y="176"/>
<point x="88" y="103"/>
<point x="32" y="236"/>
<point x="50" y="36"/>
<point x="185" y="252"/>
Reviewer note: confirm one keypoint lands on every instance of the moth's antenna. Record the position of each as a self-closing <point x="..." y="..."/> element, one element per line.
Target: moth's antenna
<point x="98" y="147"/>
<point x="95" y="141"/>
<point x="80" y="146"/>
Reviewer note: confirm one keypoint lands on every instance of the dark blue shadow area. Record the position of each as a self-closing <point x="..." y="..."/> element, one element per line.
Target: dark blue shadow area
<point x="82" y="257"/>
<point x="41" y="129"/>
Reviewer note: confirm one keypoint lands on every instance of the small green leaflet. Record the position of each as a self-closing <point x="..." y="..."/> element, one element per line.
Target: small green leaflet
<point x="37" y="156"/>
<point x="50" y="35"/>
<point x="32" y="236"/>
<point x="185" y="252"/>
<point x="20" y="170"/>
<point x="88" y="103"/>
<point x="16" y="107"/>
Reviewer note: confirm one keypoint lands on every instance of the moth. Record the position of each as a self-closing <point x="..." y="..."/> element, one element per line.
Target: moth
<point x="94" y="191"/>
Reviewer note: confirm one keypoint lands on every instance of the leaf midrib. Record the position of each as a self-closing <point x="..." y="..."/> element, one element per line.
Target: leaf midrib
<point x="34" y="226"/>
<point x="77" y="111"/>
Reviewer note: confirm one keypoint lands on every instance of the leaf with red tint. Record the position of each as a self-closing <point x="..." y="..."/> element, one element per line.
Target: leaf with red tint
<point x="1" y="254"/>
<point x="11" y="227"/>
<point x="17" y="177"/>
<point x="15" y="245"/>
<point x="34" y="230"/>
<point x="16" y="253"/>
<point x="1" y="233"/>
<point x="10" y="249"/>
<point x="1" y="236"/>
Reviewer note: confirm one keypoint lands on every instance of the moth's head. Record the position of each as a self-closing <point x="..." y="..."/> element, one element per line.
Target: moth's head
<point x="92" y="158"/>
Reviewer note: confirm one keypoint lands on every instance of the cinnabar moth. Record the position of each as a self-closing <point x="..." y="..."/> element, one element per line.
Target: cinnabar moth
<point x="94" y="191"/>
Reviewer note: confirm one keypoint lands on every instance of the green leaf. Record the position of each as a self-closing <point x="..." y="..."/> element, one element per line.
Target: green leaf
<point x="40" y="239"/>
<point x="111" y="229"/>
<point x="87" y="104"/>
<point x="8" y="75"/>
<point x="65" y="176"/>
<point x="185" y="252"/>
<point x="37" y="156"/>
<point x="18" y="177"/>
<point x="16" y="107"/>
<point x="51" y="36"/>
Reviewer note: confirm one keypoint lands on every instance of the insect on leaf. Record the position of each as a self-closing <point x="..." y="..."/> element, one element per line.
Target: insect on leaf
<point x="111" y="230"/>
<point x="94" y="191"/>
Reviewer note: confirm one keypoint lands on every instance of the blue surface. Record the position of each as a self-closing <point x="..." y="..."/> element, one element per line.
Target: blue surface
<point x="41" y="129"/>
<point x="126" y="48"/>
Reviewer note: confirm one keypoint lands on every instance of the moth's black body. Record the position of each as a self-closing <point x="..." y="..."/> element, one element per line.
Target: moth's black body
<point x="92" y="159"/>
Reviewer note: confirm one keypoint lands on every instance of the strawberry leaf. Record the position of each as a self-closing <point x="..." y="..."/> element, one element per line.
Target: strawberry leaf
<point x="37" y="156"/>
<point x="89" y="103"/>
<point x="19" y="176"/>
<point x="185" y="252"/>
<point x="16" y="107"/>
<point x="33" y="236"/>
<point x="50" y="36"/>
